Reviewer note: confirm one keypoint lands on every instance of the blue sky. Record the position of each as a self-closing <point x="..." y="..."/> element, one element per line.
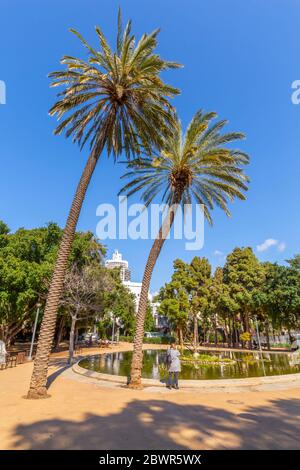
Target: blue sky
<point x="240" y="59"/>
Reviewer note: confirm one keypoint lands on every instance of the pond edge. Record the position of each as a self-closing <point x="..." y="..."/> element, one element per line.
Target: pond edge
<point x="185" y="383"/>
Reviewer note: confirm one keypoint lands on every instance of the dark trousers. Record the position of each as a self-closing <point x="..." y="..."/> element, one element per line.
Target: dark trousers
<point x="171" y="381"/>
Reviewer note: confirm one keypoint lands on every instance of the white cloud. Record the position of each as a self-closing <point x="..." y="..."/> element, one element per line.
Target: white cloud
<point x="281" y="246"/>
<point x="270" y="242"/>
<point x="267" y="244"/>
<point x="218" y="253"/>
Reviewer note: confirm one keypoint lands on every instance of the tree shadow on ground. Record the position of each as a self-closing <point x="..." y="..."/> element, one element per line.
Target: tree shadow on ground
<point x="160" y="424"/>
<point x="60" y="364"/>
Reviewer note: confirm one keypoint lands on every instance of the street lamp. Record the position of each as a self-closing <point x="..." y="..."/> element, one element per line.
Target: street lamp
<point x="34" y="331"/>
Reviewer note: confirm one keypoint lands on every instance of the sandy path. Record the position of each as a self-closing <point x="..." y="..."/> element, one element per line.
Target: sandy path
<point x="83" y="415"/>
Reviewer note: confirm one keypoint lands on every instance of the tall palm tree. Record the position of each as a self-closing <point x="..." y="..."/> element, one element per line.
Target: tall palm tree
<point x="196" y="166"/>
<point x="115" y="100"/>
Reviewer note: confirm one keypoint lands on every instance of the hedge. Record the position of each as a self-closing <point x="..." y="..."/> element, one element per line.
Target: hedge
<point x="159" y="340"/>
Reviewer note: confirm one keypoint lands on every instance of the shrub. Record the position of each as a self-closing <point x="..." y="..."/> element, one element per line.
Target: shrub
<point x="159" y="340"/>
<point x="212" y="338"/>
<point x="245" y="337"/>
<point x="207" y="358"/>
<point x="280" y="345"/>
<point x="126" y="339"/>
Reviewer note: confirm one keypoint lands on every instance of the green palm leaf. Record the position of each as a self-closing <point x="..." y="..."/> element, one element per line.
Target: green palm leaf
<point x="115" y="98"/>
<point x="195" y="165"/>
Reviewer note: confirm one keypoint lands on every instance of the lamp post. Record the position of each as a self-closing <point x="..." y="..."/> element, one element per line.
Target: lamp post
<point x="34" y="331"/>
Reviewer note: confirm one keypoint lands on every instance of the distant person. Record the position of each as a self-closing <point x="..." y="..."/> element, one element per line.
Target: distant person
<point x="174" y="366"/>
<point x="3" y="353"/>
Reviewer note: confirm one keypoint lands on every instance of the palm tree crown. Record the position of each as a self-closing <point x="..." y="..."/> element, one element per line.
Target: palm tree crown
<point x="116" y="98"/>
<point x="195" y="165"/>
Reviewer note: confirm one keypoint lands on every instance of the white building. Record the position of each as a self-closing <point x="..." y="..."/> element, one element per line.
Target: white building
<point x="134" y="287"/>
<point x="118" y="262"/>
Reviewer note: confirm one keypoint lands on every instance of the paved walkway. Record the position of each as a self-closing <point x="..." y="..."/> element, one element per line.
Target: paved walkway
<point x="89" y="415"/>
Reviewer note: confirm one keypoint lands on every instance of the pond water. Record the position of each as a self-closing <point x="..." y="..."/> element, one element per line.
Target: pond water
<point x="155" y="367"/>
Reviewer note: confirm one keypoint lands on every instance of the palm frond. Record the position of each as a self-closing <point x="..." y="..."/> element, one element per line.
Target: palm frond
<point x="198" y="165"/>
<point x="115" y="98"/>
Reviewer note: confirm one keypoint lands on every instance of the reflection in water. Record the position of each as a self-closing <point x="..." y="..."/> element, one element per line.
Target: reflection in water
<point x="155" y="366"/>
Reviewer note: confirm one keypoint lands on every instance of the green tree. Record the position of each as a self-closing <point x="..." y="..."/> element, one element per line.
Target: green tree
<point x="196" y="166"/>
<point x="27" y="259"/>
<point x="244" y="275"/>
<point x="4" y="229"/>
<point x="84" y="296"/>
<point x="295" y="262"/>
<point x="182" y="279"/>
<point x="149" y="320"/>
<point x="199" y="273"/>
<point x="215" y="293"/>
<point x="175" y="306"/>
<point x="194" y="279"/>
<point x="121" y="302"/>
<point x="26" y="263"/>
<point x="282" y="296"/>
<point x="115" y="100"/>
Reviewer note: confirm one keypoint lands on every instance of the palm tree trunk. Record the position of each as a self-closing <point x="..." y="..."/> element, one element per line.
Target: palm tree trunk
<point x="137" y="358"/>
<point x="39" y="375"/>
<point x="72" y="339"/>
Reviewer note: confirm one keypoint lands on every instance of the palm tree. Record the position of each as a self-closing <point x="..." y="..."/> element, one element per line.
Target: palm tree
<point x="113" y="100"/>
<point x="194" y="166"/>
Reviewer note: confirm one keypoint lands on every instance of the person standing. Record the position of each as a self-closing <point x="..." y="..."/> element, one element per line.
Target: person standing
<point x="174" y="366"/>
<point x="3" y="353"/>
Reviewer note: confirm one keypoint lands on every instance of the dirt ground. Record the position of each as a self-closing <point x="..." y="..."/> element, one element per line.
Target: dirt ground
<point x="83" y="414"/>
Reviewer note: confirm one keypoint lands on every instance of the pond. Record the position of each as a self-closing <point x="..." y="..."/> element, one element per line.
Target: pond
<point x="239" y="365"/>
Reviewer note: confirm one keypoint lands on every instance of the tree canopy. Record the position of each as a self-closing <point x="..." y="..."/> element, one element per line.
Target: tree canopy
<point x="27" y="259"/>
<point x="227" y="303"/>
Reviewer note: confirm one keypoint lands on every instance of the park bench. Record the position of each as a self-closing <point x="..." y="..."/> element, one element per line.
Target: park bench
<point x="10" y="361"/>
<point x="13" y="359"/>
<point x="21" y="357"/>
